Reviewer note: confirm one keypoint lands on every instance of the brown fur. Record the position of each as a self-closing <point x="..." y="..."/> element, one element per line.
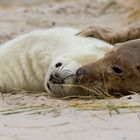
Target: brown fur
<point x="113" y="35"/>
<point x="118" y="71"/>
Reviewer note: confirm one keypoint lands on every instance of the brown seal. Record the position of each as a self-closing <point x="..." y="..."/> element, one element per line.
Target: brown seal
<point x="113" y="35"/>
<point x="117" y="72"/>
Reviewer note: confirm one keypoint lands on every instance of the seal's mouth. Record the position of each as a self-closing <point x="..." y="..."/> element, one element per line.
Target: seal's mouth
<point x="60" y="82"/>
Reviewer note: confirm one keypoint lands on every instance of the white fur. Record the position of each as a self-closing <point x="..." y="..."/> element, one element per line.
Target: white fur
<point x="27" y="59"/>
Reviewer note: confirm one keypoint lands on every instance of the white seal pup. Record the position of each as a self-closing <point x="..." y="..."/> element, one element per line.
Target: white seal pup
<point x="47" y="59"/>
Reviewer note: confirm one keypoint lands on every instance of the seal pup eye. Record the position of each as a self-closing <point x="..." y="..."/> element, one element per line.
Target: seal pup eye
<point x="58" y="65"/>
<point x="138" y="67"/>
<point x="117" y="70"/>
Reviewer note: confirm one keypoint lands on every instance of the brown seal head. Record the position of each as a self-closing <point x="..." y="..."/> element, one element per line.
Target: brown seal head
<point x="117" y="72"/>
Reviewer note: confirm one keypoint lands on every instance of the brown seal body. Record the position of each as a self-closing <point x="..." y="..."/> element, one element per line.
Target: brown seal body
<point x="118" y="71"/>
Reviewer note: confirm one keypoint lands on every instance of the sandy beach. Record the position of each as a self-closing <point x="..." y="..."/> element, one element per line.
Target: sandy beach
<point x="35" y="116"/>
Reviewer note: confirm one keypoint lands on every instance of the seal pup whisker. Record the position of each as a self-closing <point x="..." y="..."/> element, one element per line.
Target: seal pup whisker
<point x="62" y="91"/>
<point x="66" y="72"/>
<point x="61" y="69"/>
<point x="68" y="76"/>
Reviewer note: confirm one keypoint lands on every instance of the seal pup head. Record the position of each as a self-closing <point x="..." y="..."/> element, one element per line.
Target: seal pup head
<point x="60" y="78"/>
<point x="118" y="72"/>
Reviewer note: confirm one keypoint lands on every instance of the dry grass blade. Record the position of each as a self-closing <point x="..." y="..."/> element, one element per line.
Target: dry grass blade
<point x="101" y="106"/>
<point x="43" y="109"/>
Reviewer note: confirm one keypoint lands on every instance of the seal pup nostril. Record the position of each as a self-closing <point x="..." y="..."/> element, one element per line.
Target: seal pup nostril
<point x="51" y="78"/>
<point x="80" y="72"/>
<point x="48" y="85"/>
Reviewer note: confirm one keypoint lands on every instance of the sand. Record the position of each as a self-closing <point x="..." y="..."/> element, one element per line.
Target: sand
<point x="35" y="116"/>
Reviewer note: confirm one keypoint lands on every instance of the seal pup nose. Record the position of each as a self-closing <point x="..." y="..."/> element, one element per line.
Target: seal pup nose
<point x="80" y="72"/>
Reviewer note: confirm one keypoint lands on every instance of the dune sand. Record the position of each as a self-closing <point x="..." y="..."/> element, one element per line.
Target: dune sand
<point x="34" y="116"/>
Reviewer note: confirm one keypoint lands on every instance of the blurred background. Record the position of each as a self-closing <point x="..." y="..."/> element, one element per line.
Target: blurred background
<point x="19" y="16"/>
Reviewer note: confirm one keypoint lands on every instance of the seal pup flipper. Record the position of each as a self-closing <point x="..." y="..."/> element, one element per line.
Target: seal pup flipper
<point x="113" y="35"/>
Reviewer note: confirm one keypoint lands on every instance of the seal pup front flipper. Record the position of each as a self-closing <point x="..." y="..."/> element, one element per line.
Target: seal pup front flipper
<point x="113" y="35"/>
